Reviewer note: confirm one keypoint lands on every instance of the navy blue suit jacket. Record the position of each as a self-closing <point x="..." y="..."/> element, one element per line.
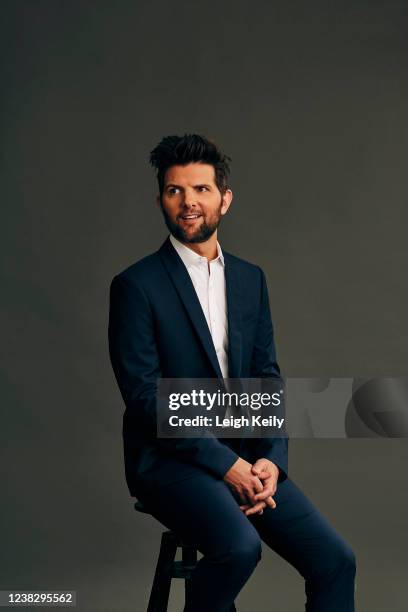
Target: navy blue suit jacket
<point x="157" y="329"/>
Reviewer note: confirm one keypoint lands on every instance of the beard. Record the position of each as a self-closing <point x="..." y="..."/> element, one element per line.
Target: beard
<point x="202" y="233"/>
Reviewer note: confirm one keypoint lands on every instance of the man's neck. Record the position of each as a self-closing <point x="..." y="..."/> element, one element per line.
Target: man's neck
<point x="206" y="249"/>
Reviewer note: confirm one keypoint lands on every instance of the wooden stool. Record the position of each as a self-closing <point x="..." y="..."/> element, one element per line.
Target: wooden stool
<point x="167" y="568"/>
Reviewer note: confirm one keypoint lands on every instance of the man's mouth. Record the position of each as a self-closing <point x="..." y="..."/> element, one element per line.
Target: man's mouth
<point x="190" y="217"/>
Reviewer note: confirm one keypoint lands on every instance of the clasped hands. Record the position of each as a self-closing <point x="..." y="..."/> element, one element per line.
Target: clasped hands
<point x="255" y="484"/>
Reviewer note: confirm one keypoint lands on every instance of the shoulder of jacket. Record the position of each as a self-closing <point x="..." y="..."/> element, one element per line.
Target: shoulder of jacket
<point x="140" y="270"/>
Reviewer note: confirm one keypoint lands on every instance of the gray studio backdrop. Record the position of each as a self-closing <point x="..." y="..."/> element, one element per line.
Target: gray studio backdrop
<point x="310" y="101"/>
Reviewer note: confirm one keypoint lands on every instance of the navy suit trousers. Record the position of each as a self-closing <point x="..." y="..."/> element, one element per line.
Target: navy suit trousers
<point x="204" y="511"/>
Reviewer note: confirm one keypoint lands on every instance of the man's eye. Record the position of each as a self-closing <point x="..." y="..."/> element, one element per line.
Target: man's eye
<point x="172" y="190"/>
<point x="202" y="189"/>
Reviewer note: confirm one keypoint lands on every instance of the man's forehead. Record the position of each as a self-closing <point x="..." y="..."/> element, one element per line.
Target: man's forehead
<point x="194" y="173"/>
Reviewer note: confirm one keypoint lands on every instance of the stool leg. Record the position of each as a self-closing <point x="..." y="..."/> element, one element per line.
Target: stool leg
<point x="159" y="595"/>
<point x="189" y="558"/>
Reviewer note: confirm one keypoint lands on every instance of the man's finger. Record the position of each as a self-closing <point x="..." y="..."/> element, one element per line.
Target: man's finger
<point x="258" y="467"/>
<point x="269" y="490"/>
<point x="255" y="509"/>
<point x="263" y="474"/>
<point x="245" y="507"/>
<point x="269" y="501"/>
<point x="258" y="486"/>
<point x="251" y="491"/>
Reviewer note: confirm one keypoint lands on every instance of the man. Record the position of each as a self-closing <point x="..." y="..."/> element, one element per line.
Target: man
<point x="191" y="310"/>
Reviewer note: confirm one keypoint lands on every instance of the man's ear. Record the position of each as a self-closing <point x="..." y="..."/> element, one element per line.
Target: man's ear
<point x="158" y="202"/>
<point x="226" y="201"/>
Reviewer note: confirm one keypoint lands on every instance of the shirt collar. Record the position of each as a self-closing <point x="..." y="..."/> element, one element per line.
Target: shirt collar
<point x="190" y="257"/>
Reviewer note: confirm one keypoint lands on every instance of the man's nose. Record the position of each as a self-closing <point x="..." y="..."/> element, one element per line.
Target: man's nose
<point x="190" y="198"/>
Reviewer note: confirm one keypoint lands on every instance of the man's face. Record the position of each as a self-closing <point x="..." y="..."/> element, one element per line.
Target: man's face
<point x="192" y="204"/>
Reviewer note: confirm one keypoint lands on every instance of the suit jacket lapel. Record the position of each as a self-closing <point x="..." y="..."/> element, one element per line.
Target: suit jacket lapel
<point x="185" y="288"/>
<point x="234" y="301"/>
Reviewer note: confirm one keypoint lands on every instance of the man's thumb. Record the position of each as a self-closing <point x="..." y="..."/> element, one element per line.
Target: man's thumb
<point x="263" y="473"/>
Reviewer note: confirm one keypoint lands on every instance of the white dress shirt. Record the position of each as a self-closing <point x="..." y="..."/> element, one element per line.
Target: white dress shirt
<point x="208" y="279"/>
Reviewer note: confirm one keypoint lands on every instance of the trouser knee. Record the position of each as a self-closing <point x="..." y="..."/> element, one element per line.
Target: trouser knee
<point x="343" y="565"/>
<point x="338" y="561"/>
<point x="246" y="554"/>
<point x="348" y="561"/>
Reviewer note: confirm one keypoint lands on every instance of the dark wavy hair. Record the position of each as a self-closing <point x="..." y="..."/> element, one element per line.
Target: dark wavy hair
<point x="187" y="149"/>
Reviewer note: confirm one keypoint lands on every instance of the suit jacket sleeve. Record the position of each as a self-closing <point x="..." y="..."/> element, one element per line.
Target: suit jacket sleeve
<point x="136" y="364"/>
<point x="264" y="365"/>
